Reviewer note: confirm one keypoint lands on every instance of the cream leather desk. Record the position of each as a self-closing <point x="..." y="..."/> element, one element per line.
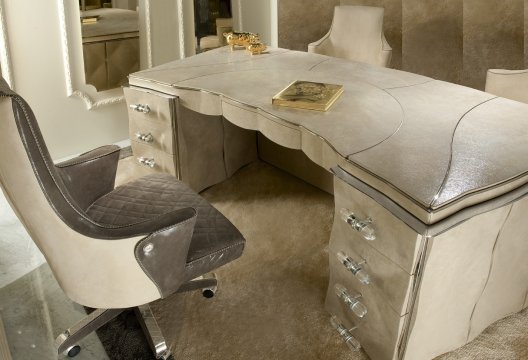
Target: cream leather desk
<point x="441" y="170"/>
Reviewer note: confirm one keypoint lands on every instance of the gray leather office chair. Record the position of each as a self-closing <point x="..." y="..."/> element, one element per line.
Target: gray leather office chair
<point x="356" y="34"/>
<point x="109" y="249"/>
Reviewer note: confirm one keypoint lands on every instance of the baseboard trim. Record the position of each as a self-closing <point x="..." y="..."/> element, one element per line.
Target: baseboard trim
<point x="5" y="354"/>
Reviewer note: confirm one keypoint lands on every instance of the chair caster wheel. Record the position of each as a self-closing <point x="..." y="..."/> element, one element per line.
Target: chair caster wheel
<point x="73" y="351"/>
<point x="209" y="292"/>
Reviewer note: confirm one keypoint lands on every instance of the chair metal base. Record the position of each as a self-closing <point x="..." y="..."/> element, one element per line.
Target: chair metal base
<point x="152" y="331"/>
<point x="67" y="342"/>
<point x="86" y="325"/>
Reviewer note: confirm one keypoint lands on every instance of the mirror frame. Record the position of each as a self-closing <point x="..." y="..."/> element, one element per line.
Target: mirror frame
<point x="72" y="54"/>
<point x="5" y="55"/>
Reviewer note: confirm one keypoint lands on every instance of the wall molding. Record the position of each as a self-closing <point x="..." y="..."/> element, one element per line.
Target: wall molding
<point x="181" y="27"/>
<point x="5" y="54"/>
<point x="148" y="33"/>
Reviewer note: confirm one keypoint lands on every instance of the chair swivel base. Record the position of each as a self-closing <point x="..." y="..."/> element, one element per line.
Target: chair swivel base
<point x="67" y="342"/>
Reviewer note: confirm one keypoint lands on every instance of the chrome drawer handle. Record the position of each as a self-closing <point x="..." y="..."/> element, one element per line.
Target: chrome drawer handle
<point x="148" y="138"/>
<point x="140" y="108"/>
<point x="351" y="301"/>
<point x="146" y="161"/>
<point x="364" y="227"/>
<point x="354" y="267"/>
<point x="352" y="343"/>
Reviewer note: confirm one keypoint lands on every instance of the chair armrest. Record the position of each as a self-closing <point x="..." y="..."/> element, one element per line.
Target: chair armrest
<point x="317" y="47"/>
<point x="90" y="175"/>
<point x="163" y="255"/>
<point x="511" y="84"/>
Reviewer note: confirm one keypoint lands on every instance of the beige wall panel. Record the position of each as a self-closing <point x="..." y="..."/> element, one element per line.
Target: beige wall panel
<point x="392" y="25"/>
<point x="493" y="38"/>
<point x="432" y="38"/>
<point x="452" y="40"/>
<point x="301" y="23"/>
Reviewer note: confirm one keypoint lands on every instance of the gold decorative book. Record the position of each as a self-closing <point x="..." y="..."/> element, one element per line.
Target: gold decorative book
<point x="308" y="95"/>
<point x="91" y="19"/>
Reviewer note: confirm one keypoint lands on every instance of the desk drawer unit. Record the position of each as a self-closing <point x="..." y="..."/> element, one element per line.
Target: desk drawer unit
<point x="201" y="150"/>
<point x="151" y="127"/>
<point x="366" y="315"/>
<point x="373" y="256"/>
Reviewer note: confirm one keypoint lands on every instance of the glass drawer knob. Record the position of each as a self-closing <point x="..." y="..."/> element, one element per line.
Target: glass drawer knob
<point x="147" y="162"/>
<point x="148" y="138"/>
<point x="140" y="108"/>
<point x="352" y="343"/>
<point x="351" y="301"/>
<point x="363" y="226"/>
<point x="354" y="267"/>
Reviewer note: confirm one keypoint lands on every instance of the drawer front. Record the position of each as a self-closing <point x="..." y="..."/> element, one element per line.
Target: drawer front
<point x="160" y="107"/>
<point x="161" y="162"/>
<point x="378" y="331"/>
<point x="394" y="239"/>
<point x="156" y="134"/>
<point x="387" y="280"/>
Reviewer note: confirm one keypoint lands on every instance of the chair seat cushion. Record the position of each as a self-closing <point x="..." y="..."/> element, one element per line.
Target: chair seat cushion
<point x="215" y="240"/>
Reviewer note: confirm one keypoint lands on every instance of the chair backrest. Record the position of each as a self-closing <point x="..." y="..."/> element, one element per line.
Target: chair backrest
<point x="511" y="84"/>
<point x="86" y="268"/>
<point x="357" y="33"/>
<point x="56" y="188"/>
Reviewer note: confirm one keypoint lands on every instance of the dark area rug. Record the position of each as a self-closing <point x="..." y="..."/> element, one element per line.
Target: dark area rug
<point x="123" y="338"/>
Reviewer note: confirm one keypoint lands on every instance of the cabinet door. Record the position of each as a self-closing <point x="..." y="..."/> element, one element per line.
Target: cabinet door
<point x="122" y="59"/>
<point x="95" y="65"/>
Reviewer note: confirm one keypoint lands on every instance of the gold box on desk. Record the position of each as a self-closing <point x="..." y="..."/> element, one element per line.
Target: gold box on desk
<point x="308" y="95"/>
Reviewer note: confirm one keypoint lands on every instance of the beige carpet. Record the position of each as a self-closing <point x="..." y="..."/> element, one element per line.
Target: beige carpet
<point x="271" y="301"/>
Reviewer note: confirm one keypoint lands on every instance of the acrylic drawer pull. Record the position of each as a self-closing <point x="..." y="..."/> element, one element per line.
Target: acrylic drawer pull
<point x="148" y="138"/>
<point x="140" y="108"/>
<point x="352" y="343"/>
<point x="364" y="227"/>
<point x="147" y="162"/>
<point x="351" y="301"/>
<point x="354" y="267"/>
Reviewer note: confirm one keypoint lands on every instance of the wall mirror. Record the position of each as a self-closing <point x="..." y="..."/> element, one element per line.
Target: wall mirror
<point x="110" y="41"/>
<point x="95" y="40"/>
<point x="105" y="40"/>
<point x="212" y="18"/>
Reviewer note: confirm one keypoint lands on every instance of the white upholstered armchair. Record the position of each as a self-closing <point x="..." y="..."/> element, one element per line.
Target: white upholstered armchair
<point x="511" y="84"/>
<point x="356" y="34"/>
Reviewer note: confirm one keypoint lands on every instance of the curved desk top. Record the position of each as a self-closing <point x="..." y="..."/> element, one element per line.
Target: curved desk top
<point x="431" y="147"/>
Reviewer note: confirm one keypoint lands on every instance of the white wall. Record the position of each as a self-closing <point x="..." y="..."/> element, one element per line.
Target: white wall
<point x="38" y="70"/>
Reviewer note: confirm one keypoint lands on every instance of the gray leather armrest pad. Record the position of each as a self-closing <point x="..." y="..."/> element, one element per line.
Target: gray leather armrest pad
<point x="90" y="175"/>
<point x="91" y="155"/>
<point x="162" y="255"/>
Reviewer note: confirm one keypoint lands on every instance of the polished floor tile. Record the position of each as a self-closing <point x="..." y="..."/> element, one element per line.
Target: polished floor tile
<point x="19" y="253"/>
<point x="35" y="310"/>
